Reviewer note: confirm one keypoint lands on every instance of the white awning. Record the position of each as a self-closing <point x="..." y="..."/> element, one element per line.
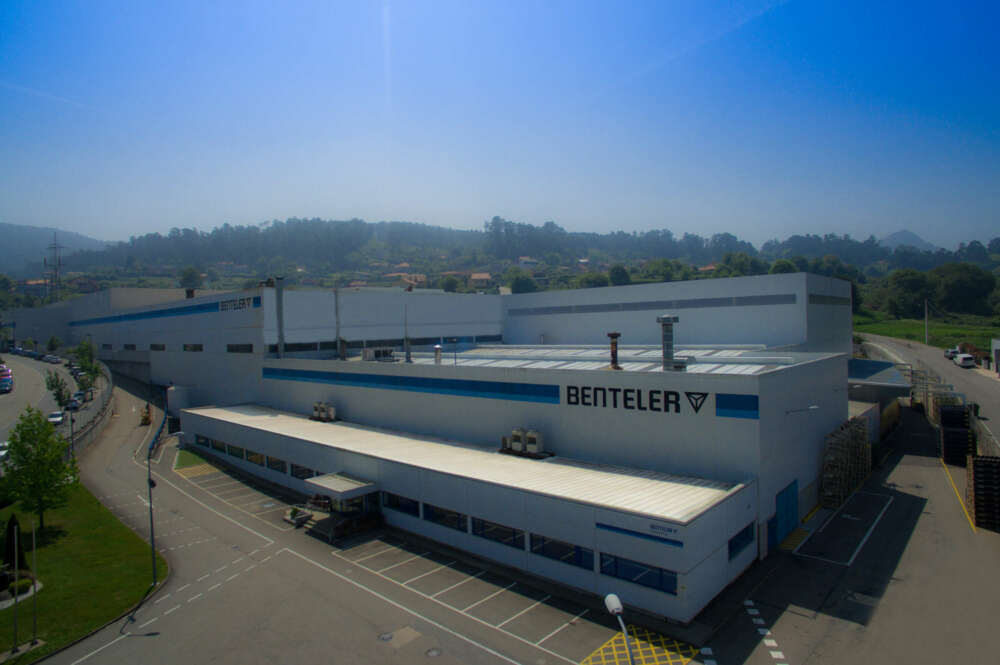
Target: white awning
<point x="343" y="487"/>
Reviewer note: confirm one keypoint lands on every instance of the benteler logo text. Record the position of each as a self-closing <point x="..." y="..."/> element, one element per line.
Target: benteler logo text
<point x="235" y="304"/>
<point x="633" y="399"/>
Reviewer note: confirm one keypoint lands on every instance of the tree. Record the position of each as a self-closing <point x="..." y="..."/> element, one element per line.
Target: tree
<point x="449" y="284"/>
<point x="618" y="275"/>
<point x="962" y="287"/>
<point x="592" y="279"/>
<point x="53" y="344"/>
<point x="782" y="266"/>
<point x="38" y="474"/>
<point x="190" y="278"/>
<point x="520" y="281"/>
<point x="908" y="288"/>
<point x="56" y="385"/>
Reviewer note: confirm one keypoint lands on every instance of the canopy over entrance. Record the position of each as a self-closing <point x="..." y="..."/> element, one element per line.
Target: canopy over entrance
<point x="342" y="487"/>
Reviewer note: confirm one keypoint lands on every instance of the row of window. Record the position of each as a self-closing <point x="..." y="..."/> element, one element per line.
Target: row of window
<point x="272" y="463"/>
<point x="292" y="347"/>
<point x="230" y="348"/>
<point x="558" y="550"/>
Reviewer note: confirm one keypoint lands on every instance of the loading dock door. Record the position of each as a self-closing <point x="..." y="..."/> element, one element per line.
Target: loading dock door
<point x="786" y="512"/>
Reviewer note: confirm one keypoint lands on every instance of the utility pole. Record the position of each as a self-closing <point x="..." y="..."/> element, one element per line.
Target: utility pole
<point x="926" y="337"/>
<point x="53" y="266"/>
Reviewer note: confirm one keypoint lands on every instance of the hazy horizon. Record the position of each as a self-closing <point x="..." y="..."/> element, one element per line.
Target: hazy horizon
<point x="761" y="119"/>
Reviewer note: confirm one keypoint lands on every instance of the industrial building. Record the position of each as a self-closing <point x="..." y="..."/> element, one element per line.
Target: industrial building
<point x="659" y="464"/>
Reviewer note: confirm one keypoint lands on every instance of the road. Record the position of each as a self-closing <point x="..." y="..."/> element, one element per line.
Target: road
<point x="984" y="390"/>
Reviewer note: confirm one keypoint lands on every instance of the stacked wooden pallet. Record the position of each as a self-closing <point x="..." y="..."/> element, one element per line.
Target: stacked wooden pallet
<point x="847" y="461"/>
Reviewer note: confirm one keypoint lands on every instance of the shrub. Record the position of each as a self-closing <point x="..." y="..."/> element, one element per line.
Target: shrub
<point x="22" y="586"/>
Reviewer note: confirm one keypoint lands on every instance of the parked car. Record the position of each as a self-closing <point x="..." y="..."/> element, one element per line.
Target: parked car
<point x="74" y="405"/>
<point x="80" y="396"/>
<point x="951" y="353"/>
<point x="57" y="417"/>
<point x="964" y="360"/>
<point x="7" y="385"/>
<point x="4" y="450"/>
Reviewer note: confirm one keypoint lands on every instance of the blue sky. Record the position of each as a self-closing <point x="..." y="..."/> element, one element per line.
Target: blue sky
<point x="761" y="119"/>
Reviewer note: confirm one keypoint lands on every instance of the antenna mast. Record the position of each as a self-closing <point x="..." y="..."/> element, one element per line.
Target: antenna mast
<point x="53" y="266"/>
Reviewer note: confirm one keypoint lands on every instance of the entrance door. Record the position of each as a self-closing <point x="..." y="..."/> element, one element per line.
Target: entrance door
<point x="786" y="511"/>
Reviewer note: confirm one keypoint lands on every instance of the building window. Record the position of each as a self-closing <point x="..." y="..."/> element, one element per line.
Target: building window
<point x="157" y="347"/>
<point x="302" y="472"/>
<point x="300" y="346"/>
<point x="201" y="440"/>
<point x="256" y="458"/>
<point x="327" y="346"/>
<point x="639" y="573"/>
<point x="239" y="348"/>
<point x="218" y="445"/>
<point x="498" y="532"/>
<point x="193" y="347"/>
<point x="129" y="347"/>
<point x="445" y="517"/>
<point x="740" y="541"/>
<point x="105" y="347"/>
<point x="272" y="348"/>
<point x="401" y="503"/>
<point x="275" y="464"/>
<point x="235" y="451"/>
<point x="562" y="551"/>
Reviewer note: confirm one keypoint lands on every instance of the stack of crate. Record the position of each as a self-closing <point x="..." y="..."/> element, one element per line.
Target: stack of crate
<point x="846" y="462"/>
<point x="956" y="440"/>
<point x="986" y="492"/>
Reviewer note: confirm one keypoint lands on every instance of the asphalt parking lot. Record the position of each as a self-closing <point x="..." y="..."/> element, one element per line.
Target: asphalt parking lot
<point x="564" y="629"/>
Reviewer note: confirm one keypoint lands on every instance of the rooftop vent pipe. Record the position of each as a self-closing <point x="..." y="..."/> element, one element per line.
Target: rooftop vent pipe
<point x="670" y="364"/>
<point x="437" y="354"/>
<point x="614" y="350"/>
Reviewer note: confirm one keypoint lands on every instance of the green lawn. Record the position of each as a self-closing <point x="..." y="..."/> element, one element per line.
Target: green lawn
<point x="943" y="334"/>
<point x="93" y="569"/>
<point x="186" y="458"/>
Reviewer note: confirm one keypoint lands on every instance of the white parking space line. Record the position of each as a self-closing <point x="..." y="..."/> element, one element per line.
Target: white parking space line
<point x="568" y="623"/>
<point x="205" y="576"/>
<point x="492" y="595"/>
<point x="415" y="556"/>
<point x="365" y="558"/>
<point x="398" y="605"/>
<point x="214" y="586"/>
<point x="194" y="597"/>
<point x="529" y="607"/>
<point x="143" y="625"/>
<point x="99" y="650"/>
<point x="232" y="577"/>
<point x="182" y="588"/>
<point x="161" y="599"/>
<point x="172" y="609"/>
<point x="430" y="572"/>
<point x="220" y="569"/>
<point x="467" y="579"/>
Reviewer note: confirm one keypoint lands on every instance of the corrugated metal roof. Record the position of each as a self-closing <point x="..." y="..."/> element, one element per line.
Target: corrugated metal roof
<point x="664" y="496"/>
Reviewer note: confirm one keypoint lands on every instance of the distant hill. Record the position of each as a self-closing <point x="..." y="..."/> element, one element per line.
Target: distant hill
<point x="906" y="238"/>
<point x="23" y="245"/>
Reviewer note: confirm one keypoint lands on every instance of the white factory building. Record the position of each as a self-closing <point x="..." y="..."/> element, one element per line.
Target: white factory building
<point x="661" y="481"/>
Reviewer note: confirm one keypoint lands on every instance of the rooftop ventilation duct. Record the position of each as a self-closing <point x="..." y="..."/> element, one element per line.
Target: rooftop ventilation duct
<point x="613" y="336"/>
<point x="670" y="364"/>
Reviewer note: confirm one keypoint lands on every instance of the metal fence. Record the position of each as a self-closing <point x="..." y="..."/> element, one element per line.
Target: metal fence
<point x="94" y="425"/>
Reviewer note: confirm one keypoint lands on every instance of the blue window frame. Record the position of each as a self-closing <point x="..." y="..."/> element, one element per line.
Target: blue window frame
<point x="401" y="503"/>
<point x="559" y="550"/>
<point x="445" y="517"/>
<point x="504" y="535"/>
<point x="741" y="541"/>
<point x="639" y="573"/>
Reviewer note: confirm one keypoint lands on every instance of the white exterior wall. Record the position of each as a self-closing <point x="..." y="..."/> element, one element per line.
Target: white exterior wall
<point x="772" y="325"/>
<point x="702" y="565"/>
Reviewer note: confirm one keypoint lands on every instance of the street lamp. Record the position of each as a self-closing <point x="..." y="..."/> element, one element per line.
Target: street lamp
<point x="616" y="610"/>
<point x="811" y="407"/>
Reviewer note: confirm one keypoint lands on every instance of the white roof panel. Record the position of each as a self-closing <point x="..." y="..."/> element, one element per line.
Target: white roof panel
<point x="659" y="495"/>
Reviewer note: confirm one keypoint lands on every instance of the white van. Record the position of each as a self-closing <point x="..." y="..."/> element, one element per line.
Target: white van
<point x="964" y="360"/>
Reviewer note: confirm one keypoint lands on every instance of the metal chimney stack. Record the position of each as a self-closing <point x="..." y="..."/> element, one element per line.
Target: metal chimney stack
<point x="437" y="354"/>
<point x="614" y="349"/>
<point x="670" y="364"/>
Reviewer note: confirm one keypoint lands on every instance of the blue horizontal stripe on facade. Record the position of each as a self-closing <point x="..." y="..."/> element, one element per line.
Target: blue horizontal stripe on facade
<point x="186" y="310"/>
<point x="518" y="392"/>
<point x="639" y="534"/>
<point x="737" y="406"/>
